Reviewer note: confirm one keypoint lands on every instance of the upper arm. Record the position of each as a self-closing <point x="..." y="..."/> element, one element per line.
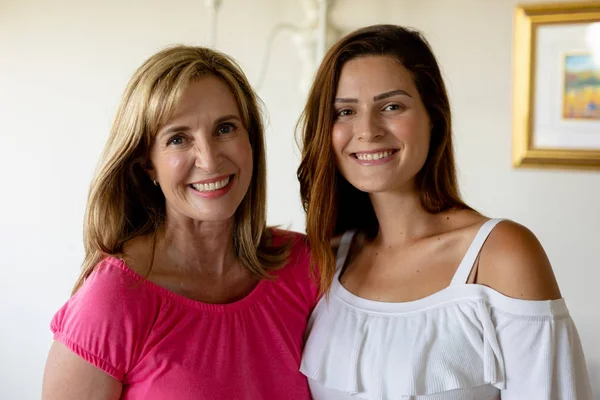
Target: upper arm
<point x="105" y="324"/>
<point x="68" y="376"/>
<point x="513" y="262"/>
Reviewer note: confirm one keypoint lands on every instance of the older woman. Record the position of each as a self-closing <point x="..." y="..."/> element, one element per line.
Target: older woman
<point x="185" y="293"/>
<point x="428" y="299"/>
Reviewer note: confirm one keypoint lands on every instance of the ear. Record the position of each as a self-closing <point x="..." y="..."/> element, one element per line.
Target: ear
<point x="149" y="169"/>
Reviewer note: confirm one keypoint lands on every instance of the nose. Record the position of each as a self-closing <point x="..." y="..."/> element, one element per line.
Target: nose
<point x="368" y="129"/>
<point x="208" y="157"/>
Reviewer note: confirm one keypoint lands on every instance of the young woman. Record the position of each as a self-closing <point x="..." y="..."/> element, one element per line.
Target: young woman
<point x="185" y="293"/>
<point x="427" y="299"/>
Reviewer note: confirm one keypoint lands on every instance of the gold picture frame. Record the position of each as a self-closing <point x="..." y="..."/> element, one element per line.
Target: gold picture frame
<point x="529" y="19"/>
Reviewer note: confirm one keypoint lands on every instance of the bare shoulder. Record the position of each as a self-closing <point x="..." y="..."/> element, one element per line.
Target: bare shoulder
<point x="514" y="263"/>
<point x="461" y="222"/>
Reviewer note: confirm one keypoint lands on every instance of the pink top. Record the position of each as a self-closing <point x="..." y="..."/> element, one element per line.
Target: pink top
<point x="165" y="346"/>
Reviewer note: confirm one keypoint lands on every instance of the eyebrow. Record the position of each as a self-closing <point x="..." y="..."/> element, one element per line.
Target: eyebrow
<point x="227" y="117"/>
<point x="172" y="129"/>
<point x="390" y="94"/>
<point x="376" y="98"/>
<point x="345" y="100"/>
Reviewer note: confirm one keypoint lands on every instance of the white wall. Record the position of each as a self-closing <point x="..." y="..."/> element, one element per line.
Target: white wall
<point x="65" y="63"/>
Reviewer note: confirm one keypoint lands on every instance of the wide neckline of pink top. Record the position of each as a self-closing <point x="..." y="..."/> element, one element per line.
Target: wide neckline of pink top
<point x="247" y="301"/>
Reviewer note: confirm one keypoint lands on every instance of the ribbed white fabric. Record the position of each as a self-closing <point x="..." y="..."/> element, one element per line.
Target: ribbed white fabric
<point x="466" y="342"/>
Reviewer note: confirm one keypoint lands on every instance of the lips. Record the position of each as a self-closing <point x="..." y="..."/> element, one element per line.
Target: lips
<point x="212" y="185"/>
<point x="374" y="155"/>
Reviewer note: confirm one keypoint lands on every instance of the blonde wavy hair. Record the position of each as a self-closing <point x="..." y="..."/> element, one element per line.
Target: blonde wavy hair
<point x="123" y="203"/>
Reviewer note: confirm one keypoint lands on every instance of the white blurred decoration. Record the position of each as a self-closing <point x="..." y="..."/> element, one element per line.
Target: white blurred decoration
<point x="593" y="41"/>
<point x="311" y="37"/>
<point x="213" y="9"/>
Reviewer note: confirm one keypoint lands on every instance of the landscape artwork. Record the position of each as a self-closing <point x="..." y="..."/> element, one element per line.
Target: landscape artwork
<point x="581" y="96"/>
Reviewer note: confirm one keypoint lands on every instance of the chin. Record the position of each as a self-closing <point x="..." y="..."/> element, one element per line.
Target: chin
<point x="204" y="214"/>
<point x="214" y="215"/>
<point x="368" y="186"/>
<point x="215" y="210"/>
<point x="372" y="189"/>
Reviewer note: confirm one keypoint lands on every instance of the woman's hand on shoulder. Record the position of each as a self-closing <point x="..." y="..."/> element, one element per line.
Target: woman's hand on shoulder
<point x="514" y="263"/>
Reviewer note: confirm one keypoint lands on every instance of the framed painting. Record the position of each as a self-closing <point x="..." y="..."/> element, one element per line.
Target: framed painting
<point x="556" y="115"/>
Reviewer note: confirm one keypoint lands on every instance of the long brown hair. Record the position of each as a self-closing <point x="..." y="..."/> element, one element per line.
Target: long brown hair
<point x="332" y="204"/>
<point x="123" y="203"/>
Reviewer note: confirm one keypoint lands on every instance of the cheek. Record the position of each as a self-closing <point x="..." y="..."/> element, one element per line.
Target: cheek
<point x="175" y="162"/>
<point x="413" y="130"/>
<point x="417" y="137"/>
<point x="339" y="139"/>
<point x="243" y="155"/>
<point x="172" y="166"/>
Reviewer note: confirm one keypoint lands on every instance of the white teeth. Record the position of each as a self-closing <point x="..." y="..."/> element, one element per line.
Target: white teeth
<point x="373" y="156"/>
<point x="210" y="187"/>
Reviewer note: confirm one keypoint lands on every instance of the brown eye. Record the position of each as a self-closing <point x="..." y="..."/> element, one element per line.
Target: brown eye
<point x="345" y="113"/>
<point x="394" y="107"/>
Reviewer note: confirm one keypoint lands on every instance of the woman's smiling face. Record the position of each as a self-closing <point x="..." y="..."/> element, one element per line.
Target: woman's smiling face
<point x="202" y="157"/>
<point x="381" y="132"/>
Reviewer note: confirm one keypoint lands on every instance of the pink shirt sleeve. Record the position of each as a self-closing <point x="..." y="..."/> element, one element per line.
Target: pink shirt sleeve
<point x="107" y="320"/>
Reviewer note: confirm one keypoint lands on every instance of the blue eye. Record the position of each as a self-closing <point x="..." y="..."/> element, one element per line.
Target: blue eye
<point x="224" y="129"/>
<point x="175" y="140"/>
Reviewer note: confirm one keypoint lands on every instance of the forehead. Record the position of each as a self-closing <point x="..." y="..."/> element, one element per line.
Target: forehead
<point x="206" y="94"/>
<point x="373" y="74"/>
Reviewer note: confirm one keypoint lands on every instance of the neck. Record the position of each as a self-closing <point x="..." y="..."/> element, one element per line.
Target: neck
<point x="402" y="219"/>
<point x="198" y="246"/>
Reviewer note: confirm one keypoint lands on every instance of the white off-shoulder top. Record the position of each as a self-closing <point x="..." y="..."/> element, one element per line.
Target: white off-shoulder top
<point x="466" y="342"/>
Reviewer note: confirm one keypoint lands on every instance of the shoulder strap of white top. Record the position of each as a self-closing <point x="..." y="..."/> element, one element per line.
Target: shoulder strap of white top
<point x="468" y="261"/>
<point x="343" y="249"/>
